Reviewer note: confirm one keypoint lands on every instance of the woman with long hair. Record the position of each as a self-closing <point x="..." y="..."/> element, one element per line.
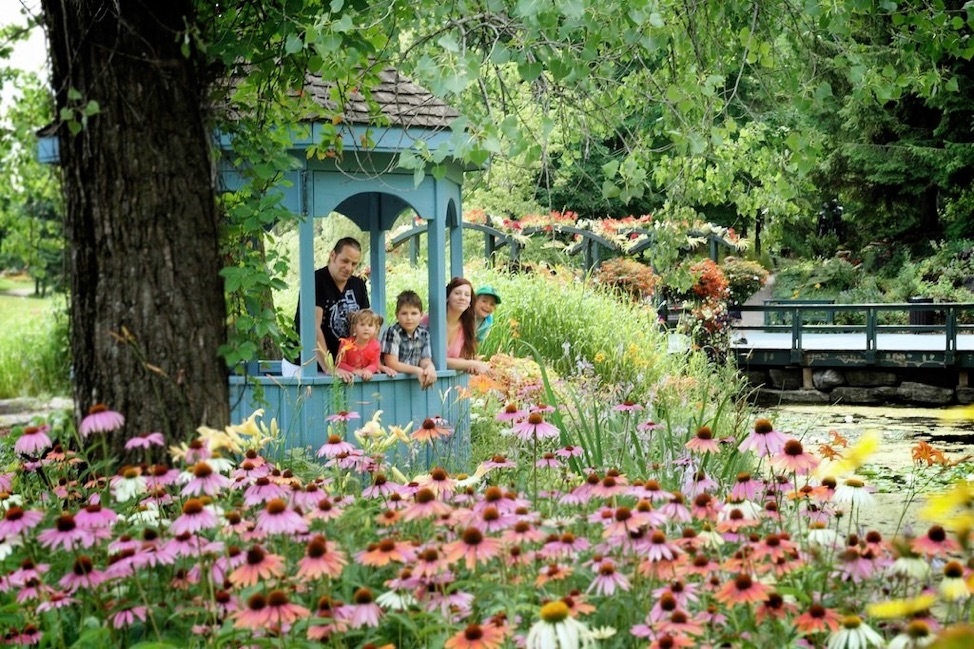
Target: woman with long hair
<point x="461" y="329"/>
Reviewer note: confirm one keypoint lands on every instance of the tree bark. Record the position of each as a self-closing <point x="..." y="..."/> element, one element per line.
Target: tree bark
<point x="147" y="308"/>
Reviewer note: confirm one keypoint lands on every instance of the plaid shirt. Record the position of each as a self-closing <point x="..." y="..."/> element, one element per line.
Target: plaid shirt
<point x="408" y="349"/>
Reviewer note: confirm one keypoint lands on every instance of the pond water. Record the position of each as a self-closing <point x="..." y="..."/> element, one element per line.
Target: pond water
<point x="899" y="485"/>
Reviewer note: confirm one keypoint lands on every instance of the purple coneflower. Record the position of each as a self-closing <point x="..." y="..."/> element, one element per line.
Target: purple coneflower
<point x="793" y="458"/>
<point x="195" y="517"/>
<point x="277" y="518"/>
<point x="764" y="439"/>
<point x="511" y="413"/>
<point x="335" y="447"/>
<point x="202" y="479"/>
<point x="343" y="415"/>
<point x="100" y="420"/>
<point x="703" y="441"/>
<point x="33" y="440"/>
<point x="363" y="611"/>
<point x="16" y="520"/>
<point x="535" y="427"/>
<point x="146" y="440"/>
<point x="82" y="575"/>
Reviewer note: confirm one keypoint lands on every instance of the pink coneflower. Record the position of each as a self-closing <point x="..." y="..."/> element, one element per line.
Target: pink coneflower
<point x="522" y="532"/>
<point x="146" y="440"/>
<point x="326" y="510"/>
<point x="703" y="441"/>
<point x="651" y="490"/>
<point x="734" y="520"/>
<point x="195" y="517"/>
<point x="343" y="415"/>
<point x="328" y="609"/>
<point x="259" y="565"/>
<point x="660" y="549"/>
<point x="128" y="616"/>
<point x="627" y="406"/>
<point x="255" y="616"/>
<point x="363" y="611"/>
<point x="746" y="487"/>
<point x="498" y="462"/>
<point x="335" y="447"/>
<point x="56" y="600"/>
<point x="280" y="611"/>
<point x="570" y="451"/>
<point x="535" y="427"/>
<point x="160" y="475"/>
<point x="608" y="579"/>
<point x="473" y="547"/>
<point x="277" y="518"/>
<point x="548" y="461"/>
<point x="95" y="517"/>
<point x="204" y="480"/>
<point x="263" y="490"/>
<point x="431" y="430"/>
<point x="675" y="510"/>
<point x="65" y="534"/>
<point x="775" y="607"/>
<point x="742" y="589"/>
<point x="425" y="505"/>
<point x="817" y="619"/>
<point x="82" y="575"/>
<point x="764" y="439"/>
<point x="679" y="624"/>
<point x="491" y="519"/>
<point x="477" y="636"/>
<point x="935" y="543"/>
<point x="16" y="520"/>
<point x="429" y="564"/>
<point x="385" y="552"/>
<point x="705" y="507"/>
<point x="565" y="544"/>
<point x="794" y="459"/>
<point x="381" y="487"/>
<point x="511" y="413"/>
<point x="439" y="482"/>
<point x="698" y="482"/>
<point x="28" y="636"/>
<point x="33" y="440"/>
<point x="100" y="420"/>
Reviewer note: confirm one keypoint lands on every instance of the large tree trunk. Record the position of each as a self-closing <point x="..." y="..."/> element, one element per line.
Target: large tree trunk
<point x="147" y="305"/>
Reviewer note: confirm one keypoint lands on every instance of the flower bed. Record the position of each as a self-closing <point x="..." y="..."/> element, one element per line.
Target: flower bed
<point x="540" y="547"/>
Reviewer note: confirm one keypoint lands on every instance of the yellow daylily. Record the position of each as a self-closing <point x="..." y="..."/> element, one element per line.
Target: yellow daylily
<point x="851" y="458"/>
<point x="895" y="608"/>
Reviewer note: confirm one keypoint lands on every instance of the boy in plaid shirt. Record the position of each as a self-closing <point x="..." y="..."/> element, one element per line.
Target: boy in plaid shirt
<point x="406" y="345"/>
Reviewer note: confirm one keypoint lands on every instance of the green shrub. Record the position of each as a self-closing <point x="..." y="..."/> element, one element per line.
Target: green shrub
<point x="744" y="277"/>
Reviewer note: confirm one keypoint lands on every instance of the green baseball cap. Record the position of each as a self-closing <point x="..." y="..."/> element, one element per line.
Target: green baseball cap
<point x="489" y="290"/>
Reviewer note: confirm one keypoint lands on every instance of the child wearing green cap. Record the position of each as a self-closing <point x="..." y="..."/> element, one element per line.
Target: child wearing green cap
<point x="483" y="307"/>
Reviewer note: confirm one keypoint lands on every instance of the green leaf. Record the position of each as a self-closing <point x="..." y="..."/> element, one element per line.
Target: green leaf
<point x="92" y="108"/>
<point x="336" y="5"/>
<point x="448" y="42"/>
<point x="293" y="44"/>
<point x="74" y="94"/>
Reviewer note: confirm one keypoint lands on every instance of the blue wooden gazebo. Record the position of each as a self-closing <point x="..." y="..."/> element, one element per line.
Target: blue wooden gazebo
<point x="368" y="187"/>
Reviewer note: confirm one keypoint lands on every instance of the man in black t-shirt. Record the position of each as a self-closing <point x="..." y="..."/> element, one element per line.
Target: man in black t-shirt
<point x="338" y="294"/>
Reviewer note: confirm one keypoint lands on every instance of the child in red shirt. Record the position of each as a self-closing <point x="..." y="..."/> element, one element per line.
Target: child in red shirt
<point x="359" y="354"/>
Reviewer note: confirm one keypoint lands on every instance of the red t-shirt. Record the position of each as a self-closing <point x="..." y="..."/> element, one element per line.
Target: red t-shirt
<point x="359" y="358"/>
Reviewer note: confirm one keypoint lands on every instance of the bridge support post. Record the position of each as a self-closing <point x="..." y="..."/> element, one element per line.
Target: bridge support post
<point x="963" y="380"/>
<point x="807" y="382"/>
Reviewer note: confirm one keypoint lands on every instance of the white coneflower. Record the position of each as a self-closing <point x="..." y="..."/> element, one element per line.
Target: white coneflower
<point x="822" y="535"/>
<point x="601" y="633"/>
<point x="910" y="567"/>
<point x="854" y="634"/>
<point x="853" y="492"/>
<point x="953" y="587"/>
<point x="394" y="600"/>
<point x="557" y="629"/>
<point x="916" y="635"/>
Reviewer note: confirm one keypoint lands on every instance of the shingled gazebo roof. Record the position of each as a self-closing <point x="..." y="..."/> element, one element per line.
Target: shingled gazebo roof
<point x="398" y="99"/>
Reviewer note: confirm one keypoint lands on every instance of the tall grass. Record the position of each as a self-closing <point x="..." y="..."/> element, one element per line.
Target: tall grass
<point x="34" y="355"/>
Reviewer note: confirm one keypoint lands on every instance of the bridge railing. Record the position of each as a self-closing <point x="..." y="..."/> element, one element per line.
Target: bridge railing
<point x="952" y="319"/>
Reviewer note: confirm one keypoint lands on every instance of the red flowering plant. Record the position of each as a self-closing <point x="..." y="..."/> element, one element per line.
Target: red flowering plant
<point x="704" y="292"/>
<point x="632" y="278"/>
